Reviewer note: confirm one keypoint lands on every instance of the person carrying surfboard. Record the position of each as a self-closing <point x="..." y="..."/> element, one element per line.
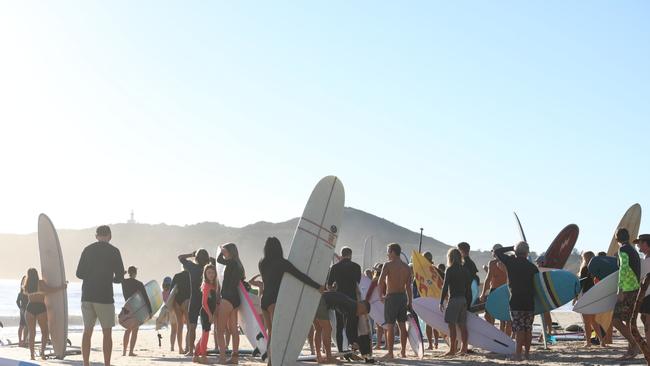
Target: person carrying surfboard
<point x="99" y="267"/>
<point x="586" y="283"/>
<point x="272" y="268"/>
<point x="195" y="269"/>
<point x="522" y="305"/>
<point x="180" y="305"/>
<point x="36" y="311"/>
<point x="131" y="286"/>
<point x="643" y="243"/>
<point x="457" y="281"/>
<point x="346" y="275"/>
<point x="496" y="277"/>
<point x="628" y="286"/>
<point x="395" y="281"/>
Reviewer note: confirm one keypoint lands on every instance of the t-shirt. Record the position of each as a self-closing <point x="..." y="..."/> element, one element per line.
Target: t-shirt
<point x="629" y="268"/>
<point x="347" y="275"/>
<point x="520" y="280"/>
<point x="99" y="267"/>
<point x="456" y="282"/>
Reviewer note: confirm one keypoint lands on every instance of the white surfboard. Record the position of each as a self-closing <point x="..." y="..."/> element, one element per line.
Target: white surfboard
<point x="11" y="362"/>
<point x="481" y="334"/>
<point x="252" y="324"/>
<point x="368" y="253"/>
<point x="311" y="252"/>
<point x="602" y="297"/>
<point x="53" y="273"/>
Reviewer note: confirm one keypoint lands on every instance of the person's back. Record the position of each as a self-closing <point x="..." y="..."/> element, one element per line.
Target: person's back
<point x="498" y="273"/>
<point x="398" y="277"/>
<point x="457" y="280"/>
<point x="99" y="267"/>
<point x="347" y="275"/>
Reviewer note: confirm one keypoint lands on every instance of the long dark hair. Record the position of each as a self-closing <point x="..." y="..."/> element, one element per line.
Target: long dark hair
<point x="31" y="283"/>
<point x="234" y="256"/>
<point x="272" y="250"/>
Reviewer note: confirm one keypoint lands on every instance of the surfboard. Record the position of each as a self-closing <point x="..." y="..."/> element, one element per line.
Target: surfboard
<point x="368" y="253"/>
<point x="631" y="220"/>
<point x="553" y="288"/>
<point x="170" y="299"/>
<point x="53" y="273"/>
<point x="311" y="251"/>
<point x="481" y="334"/>
<point x="602" y="297"/>
<point x="522" y="236"/>
<point x="415" y="334"/>
<point x="560" y="249"/>
<point x="135" y="311"/>
<point x="252" y="324"/>
<point x="427" y="278"/>
<point x="10" y="362"/>
<point x="474" y="289"/>
<point x="602" y="266"/>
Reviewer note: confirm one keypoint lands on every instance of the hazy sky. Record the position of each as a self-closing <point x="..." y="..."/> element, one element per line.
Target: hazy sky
<point x="444" y="115"/>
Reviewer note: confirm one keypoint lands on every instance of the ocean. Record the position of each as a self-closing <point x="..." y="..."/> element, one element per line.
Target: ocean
<point x="9" y="314"/>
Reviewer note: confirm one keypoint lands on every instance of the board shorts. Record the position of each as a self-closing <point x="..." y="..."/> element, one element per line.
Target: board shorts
<point x="91" y="311"/>
<point x="522" y="320"/>
<point x="623" y="308"/>
<point x="395" y="308"/>
<point x="645" y="306"/>
<point x="322" y="312"/>
<point x="456" y="312"/>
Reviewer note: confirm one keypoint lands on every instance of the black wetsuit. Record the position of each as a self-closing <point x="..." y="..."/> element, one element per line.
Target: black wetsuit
<point x="99" y="267"/>
<point x="520" y="280"/>
<point x="346" y="274"/>
<point x="272" y="272"/>
<point x="586" y="280"/>
<point x="22" y="301"/>
<point x="456" y="282"/>
<point x="130" y="286"/>
<point x="183" y="286"/>
<point x="232" y="276"/>
<point x="196" y="278"/>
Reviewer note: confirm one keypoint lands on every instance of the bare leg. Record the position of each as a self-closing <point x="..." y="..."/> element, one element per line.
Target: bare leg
<point x="463" y="338"/>
<point x="268" y="320"/>
<point x="223" y="320"/>
<point x="403" y="337"/>
<point x="191" y="337"/>
<point x="520" y="338"/>
<point x="452" y="341"/>
<point x="310" y="339"/>
<point x="134" y="338"/>
<point x="172" y="334"/>
<point x="529" y="341"/>
<point x="45" y="332"/>
<point x="390" y="340"/>
<point x="31" y="325"/>
<point x="85" y="345"/>
<point x="108" y="345"/>
<point x="429" y="332"/>
<point x="125" y="341"/>
<point x="234" y="334"/>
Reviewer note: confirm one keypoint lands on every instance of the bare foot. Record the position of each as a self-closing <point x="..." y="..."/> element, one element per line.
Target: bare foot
<point x="131" y="354"/>
<point x="449" y="353"/>
<point x="234" y="360"/>
<point x="388" y="356"/>
<point x="403" y="354"/>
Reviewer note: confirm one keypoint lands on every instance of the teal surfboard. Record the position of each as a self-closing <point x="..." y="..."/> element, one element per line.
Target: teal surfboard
<point x="552" y="289"/>
<point x="474" y="292"/>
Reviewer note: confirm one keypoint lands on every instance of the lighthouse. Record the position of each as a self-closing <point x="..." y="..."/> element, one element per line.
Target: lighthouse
<point x="132" y="219"/>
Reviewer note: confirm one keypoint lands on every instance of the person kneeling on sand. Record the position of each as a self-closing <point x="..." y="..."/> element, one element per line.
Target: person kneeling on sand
<point x="520" y="281"/>
<point x="456" y="284"/>
<point x="396" y="280"/>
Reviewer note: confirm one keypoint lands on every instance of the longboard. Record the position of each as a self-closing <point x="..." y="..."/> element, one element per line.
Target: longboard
<point x="481" y="334"/>
<point x="53" y="273"/>
<point x="560" y="249"/>
<point x="631" y="220"/>
<point x="135" y="311"/>
<point x="311" y="251"/>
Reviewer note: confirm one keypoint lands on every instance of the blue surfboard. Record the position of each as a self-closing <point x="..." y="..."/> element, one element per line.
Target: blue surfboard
<point x="552" y="289"/>
<point x="474" y="292"/>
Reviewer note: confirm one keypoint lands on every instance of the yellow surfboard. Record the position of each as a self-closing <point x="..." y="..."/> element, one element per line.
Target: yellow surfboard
<point x="631" y="221"/>
<point x="427" y="278"/>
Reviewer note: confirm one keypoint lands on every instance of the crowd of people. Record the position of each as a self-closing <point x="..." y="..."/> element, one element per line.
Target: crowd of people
<point x="201" y="294"/>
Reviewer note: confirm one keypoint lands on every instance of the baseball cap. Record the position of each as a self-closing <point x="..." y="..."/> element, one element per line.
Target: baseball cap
<point x="643" y="237"/>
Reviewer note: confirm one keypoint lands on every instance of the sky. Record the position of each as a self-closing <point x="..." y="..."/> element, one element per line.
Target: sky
<point x="443" y="115"/>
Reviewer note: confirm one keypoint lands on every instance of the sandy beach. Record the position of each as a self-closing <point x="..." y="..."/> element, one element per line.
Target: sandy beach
<point x="564" y="353"/>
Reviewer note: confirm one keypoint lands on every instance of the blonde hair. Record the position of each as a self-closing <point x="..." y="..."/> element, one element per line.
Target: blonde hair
<point x="454" y="257"/>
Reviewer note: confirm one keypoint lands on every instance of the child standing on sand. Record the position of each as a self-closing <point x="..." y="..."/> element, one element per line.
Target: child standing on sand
<point x="209" y="291"/>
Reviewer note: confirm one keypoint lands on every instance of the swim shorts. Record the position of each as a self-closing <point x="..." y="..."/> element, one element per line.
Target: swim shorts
<point x="522" y="320"/>
<point x="91" y="311"/>
<point x="456" y="312"/>
<point x="623" y="309"/>
<point x="395" y="308"/>
<point x="322" y="313"/>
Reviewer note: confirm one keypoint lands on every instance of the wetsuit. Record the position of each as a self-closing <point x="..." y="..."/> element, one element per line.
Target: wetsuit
<point x="347" y="275"/>
<point x="196" y="278"/>
<point x="472" y="272"/>
<point x="232" y="276"/>
<point x="22" y="301"/>
<point x="181" y="281"/>
<point x="130" y="286"/>
<point x="208" y="306"/>
<point x="586" y="280"/>
<point x="272" y="272"/>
